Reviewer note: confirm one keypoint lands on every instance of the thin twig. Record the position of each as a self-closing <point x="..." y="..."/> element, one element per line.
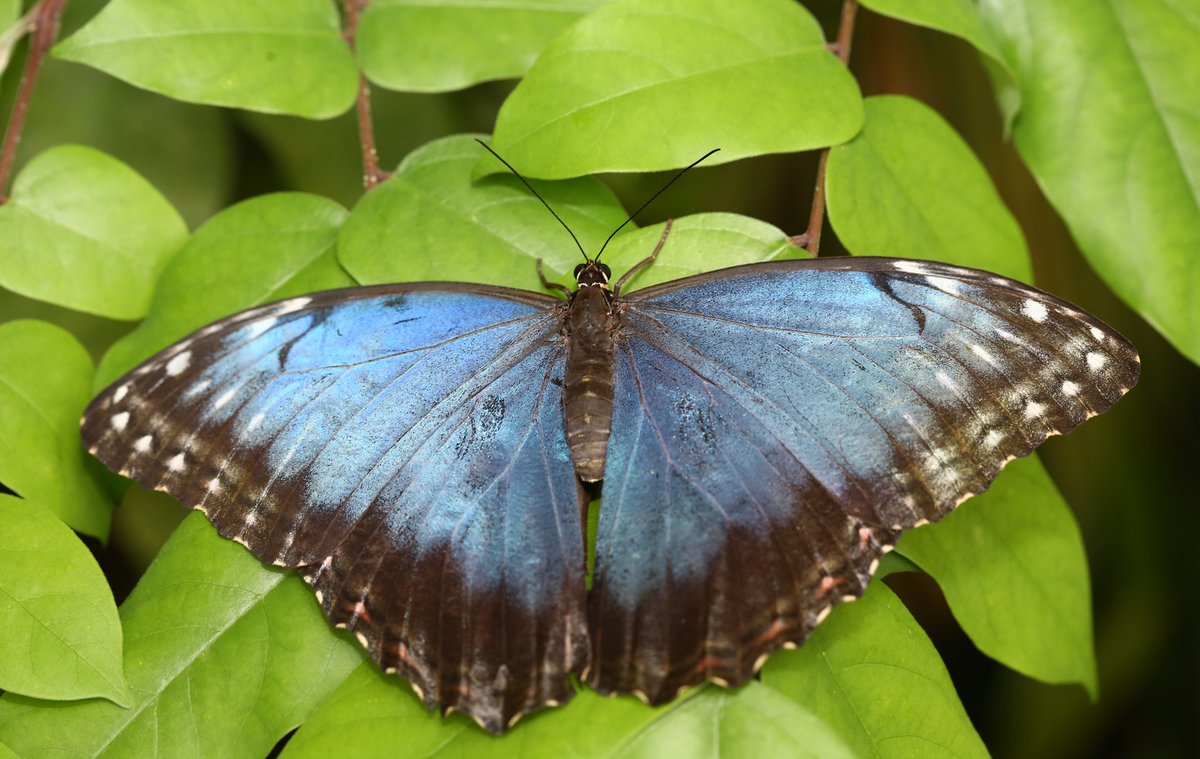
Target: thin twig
<point x="43" y="26"/>
<point x="816" y="218"/>
<point x="372" y="174"/>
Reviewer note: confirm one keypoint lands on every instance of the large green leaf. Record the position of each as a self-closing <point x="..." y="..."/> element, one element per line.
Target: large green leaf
<point x="962" y="19"/>
<point x="419" y="46"/>
<point x="223" y="656"/>
<point x="278" y="56"/>
<point x="909" y="186"/>
<point x="85" y="231"/>
<point x="45" y="379"/>
<point x="1110" y="127"/>
<point x="957" y="17"/>
<point x="185" y="151"/>
<point x="430" y="222"/>
<point x="637" y="87"/>
<point x="871" y="673"/>
<point x="10" y="31"/>
<point x="1012" y="566"/>
<point x="62" y="638"/>
<point x="262" y="249"/>
<point x="701" y="242"/>
<point x="376" y="713"/>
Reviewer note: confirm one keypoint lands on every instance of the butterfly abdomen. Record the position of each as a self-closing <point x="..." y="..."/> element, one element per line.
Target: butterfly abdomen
<point x="588" y="387"/>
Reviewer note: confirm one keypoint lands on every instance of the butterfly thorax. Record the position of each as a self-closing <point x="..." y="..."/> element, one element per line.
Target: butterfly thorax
<point x="588" y="387"/>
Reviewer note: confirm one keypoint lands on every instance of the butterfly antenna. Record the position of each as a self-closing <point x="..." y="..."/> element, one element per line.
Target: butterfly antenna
<point x="633" y="215"/>
<point x="517" y="174"/>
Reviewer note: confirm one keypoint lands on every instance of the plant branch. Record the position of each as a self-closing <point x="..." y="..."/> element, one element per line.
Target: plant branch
<point x="42" y="24"/>
<point x="372" y="174"/>
<point x="811" y="240"/>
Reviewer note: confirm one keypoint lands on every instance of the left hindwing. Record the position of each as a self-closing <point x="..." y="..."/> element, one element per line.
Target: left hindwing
<point x="776" y="426"/>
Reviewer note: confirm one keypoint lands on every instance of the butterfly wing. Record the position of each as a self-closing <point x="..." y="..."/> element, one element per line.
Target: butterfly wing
<point x="775" y="428"/>
<point x="404" y="447"/>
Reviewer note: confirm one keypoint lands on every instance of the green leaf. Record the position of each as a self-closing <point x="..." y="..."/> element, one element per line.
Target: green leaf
<point x="376" y="712"/>
<point x="10" y="11"/>
<point x="418" y="46"/>
<point x="62" y="638"/>
<point x="697" y="243"/>
<point x="84" y="230"/>
<point x="185" y="151"/>
<point x="223" y="656"/>
<point x="871" y="674"/>
<point x="325" y="157"/>
<point x="277" y="56"/>
<point x="12" y="31"/>
<point x="637" y="87"/>
<point x="430" y="222"/>
<point x="1110" y="127"/>
<point x="960" y="18"/>
<point x="262" y="249"/>
<point x="1012" y="566"/>
<point x="909" y="186"/>
<point x="44" y="386"/>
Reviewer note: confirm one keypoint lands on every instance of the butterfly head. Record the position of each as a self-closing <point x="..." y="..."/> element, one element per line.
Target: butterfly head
<point x="592" y="274"/>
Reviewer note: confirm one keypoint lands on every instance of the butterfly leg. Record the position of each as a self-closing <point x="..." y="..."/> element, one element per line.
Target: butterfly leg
<point x="551" y="285"/>
<point x="645" y="261"/>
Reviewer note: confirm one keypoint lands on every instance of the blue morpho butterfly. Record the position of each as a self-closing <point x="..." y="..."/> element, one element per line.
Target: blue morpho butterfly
<point x="764" y="434"/>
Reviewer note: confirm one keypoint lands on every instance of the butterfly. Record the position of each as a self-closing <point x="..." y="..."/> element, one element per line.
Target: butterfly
<point x="422" y="454"/>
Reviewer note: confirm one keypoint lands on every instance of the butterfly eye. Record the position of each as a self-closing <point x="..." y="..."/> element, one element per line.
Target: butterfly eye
<point x="579" y="269"/>
<point x="607" y="272"/>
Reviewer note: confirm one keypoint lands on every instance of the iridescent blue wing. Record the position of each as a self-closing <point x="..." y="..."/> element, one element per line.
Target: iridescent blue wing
<point x="403" y="446"/>
<point x="775" y="428"/>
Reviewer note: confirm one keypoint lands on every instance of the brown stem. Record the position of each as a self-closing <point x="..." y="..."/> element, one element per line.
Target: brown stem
<point x="816" y="218"/>
<point x="44" y="28"/>
<point x="372" y="174"/>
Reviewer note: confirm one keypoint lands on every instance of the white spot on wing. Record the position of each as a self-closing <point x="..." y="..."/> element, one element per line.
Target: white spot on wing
<point x="120" y="394"/>
<point x="1034" y="310"/>
<point x="979" y="350"/>
<point x="225" y="398"/>
<point x="119" y="421"/>
<point x="1034" y="410"/>
<point x="1096" y="361"/>
<point x="196" y="389"/>
<point x="175" y="463"/>
<point x="142" y="444"/>
<point x="993" y="438"/>
<point x="1098" y="333"/>
<point x="1070" y="388"/>
<point x="1007" y="335"/>
<point x="214" y="485"/>
<point x="179" y="364"/>
<point x="945" y="380"/>
<point x="291" y="306"/>
<point x="912" y="267"/>
<point x="260" y="326"/>
<point x="255" y="420"/>
<point x="949" y="286"/>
